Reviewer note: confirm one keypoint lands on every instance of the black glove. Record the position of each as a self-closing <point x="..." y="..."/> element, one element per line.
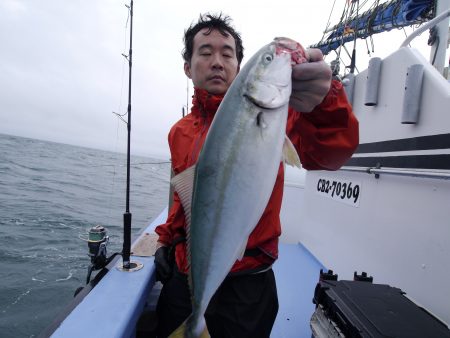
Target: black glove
<point x="162" y="264"/>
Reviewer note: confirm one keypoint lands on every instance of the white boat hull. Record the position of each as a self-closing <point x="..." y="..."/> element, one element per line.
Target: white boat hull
<point x="398" y="230"/>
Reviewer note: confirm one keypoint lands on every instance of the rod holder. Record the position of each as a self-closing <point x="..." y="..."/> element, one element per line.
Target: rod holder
<point x="349" y="86"/>
<point x="413" y="94"/>
<point x="373" y="81"/>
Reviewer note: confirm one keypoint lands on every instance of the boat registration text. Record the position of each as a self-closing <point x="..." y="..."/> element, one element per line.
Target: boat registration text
<point x="344" y="191"/>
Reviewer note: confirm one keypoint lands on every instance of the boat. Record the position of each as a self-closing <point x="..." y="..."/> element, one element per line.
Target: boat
<point x="378" y="226"/>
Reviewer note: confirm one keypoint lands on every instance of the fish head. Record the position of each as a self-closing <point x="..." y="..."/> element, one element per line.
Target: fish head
<point x="292" y="48"/>
<point x="269" y="84"/>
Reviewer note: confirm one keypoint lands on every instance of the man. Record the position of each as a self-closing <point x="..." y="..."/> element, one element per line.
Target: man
<point x="324" y="131"/>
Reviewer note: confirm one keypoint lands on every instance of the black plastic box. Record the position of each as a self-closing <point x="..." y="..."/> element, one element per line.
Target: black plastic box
<point x="362" y="309"/>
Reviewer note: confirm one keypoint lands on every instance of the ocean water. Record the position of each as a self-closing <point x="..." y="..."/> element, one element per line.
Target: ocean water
<point x="50" y="195"/>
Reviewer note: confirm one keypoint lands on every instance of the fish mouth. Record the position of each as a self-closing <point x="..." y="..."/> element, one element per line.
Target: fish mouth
<point x="286" y="44"/>
<point x="292" y="47"/>
<point x="259" y="104"/>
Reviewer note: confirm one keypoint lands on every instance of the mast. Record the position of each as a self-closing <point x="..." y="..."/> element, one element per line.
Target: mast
<point x="127" y="215"/>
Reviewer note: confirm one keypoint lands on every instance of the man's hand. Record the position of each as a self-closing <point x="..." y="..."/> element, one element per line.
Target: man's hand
<point x="311" y="82"/>
<point x="163" y="269"/>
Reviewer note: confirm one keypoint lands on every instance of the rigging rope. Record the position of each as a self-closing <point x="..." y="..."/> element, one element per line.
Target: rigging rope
<point x="329" y="21"/>
<point x="378" y="16"/>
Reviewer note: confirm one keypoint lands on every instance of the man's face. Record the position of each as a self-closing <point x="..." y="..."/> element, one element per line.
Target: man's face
<point x="214" y="64"/>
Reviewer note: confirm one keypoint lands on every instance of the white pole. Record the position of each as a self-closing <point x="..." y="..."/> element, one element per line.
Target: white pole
<point x="442" y="33"/>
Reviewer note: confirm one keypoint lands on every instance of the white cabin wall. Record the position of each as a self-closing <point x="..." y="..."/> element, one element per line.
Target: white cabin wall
<point x="383" y="121"/>
<point x="400" y="231"/>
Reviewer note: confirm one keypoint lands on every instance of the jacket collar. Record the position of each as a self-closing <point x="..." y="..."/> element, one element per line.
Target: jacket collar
<point x="205" y="104"/>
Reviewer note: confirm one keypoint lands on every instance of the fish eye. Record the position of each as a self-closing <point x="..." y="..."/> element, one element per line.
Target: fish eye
<point x="267" y="58"/>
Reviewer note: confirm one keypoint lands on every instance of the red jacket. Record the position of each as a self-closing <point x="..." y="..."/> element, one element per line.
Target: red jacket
<point x="324" y="139"/>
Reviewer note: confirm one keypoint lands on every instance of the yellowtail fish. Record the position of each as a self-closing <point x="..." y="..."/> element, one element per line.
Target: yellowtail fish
<point x="224" y="195"/>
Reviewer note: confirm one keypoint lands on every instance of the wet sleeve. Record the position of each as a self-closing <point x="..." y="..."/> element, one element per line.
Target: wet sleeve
<point x="326" y="137"/>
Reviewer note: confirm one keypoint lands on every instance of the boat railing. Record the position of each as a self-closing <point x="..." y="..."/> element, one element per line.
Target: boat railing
<point x="442" y="175"/>
<point x="426" y="26"/>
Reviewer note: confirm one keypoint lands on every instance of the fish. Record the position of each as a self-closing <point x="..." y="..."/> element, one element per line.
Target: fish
<point x="225" y="194"/>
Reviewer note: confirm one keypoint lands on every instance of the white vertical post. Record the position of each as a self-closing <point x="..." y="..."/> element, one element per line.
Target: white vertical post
<point x="442" y="33"/>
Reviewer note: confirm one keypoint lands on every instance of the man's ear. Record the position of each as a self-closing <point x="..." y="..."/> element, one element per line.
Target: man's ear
<point x="187" y="70"/>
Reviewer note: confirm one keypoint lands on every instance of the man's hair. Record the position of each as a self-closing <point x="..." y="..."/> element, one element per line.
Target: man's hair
<point x="212" y="22"/>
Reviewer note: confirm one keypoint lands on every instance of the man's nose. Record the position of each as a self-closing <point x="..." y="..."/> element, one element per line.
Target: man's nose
<point x="217" y="62"/>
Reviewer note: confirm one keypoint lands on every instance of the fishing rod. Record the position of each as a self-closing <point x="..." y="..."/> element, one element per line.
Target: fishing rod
<point x="127" y="215"/>
<point x="97" y="237"/>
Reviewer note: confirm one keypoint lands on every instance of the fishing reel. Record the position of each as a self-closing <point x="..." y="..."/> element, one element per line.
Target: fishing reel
<point x="97" y="242"/>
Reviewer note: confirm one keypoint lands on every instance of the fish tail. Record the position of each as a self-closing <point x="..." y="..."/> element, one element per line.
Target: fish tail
<point x="186" y="330"/>
<point x="204" y="333"/>
<point x="181" y="332"/>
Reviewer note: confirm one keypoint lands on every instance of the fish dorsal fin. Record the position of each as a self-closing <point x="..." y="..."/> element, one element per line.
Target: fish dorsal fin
<point x="242" y="251"/>
<point x="183" y="184"/>
<point x="290" y="155"/>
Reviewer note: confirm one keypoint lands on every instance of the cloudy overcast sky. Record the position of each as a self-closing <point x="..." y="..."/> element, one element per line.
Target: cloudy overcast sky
<point x="62" y="73"/>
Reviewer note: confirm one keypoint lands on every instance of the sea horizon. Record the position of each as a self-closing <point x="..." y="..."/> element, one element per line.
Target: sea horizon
<point x="118" y="151"/>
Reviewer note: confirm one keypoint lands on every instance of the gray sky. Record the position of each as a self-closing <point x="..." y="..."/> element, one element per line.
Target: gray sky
<point x="62" y="73"/>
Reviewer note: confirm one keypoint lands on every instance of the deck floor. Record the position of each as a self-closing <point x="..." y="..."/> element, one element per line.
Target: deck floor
<point x="296" y="273"/>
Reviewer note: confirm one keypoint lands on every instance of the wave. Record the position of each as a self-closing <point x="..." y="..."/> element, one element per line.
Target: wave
<point x="67" y="278"/>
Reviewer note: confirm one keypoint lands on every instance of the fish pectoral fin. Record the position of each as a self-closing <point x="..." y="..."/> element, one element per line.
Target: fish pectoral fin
<point x="183" y="184"/>
<point x="242" y="251"/>
<point x="260" y="122"/>
<point x="290" y="155"/>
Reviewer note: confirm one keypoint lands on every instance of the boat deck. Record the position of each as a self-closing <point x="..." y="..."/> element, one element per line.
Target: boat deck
<point x="296" y="271"/>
